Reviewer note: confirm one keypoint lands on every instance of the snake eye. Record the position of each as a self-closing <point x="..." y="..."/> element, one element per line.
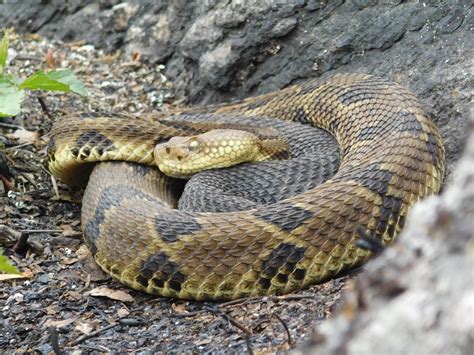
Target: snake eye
<point x="193" y="146"/>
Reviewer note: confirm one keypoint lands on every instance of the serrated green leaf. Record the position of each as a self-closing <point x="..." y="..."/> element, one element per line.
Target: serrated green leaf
<point x="41" y="81"/>
<point x="6" y="266"/>
<point x="68" y="77"/>
<point x="10" y="97"/>
<point x="61" y="80"/>
<point x="3" y="51"/>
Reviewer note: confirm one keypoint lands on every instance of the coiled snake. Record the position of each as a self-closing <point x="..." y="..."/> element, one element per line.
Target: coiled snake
<point x="391" y="155"/>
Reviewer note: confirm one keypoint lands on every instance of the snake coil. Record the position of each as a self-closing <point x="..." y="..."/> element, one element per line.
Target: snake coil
<point x="391" y="155"/>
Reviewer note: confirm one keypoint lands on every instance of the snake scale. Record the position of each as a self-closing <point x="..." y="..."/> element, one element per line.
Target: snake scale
<point x="391" y="155"/>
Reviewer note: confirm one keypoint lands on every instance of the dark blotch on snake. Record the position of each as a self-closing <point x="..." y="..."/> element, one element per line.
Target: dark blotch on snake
<point x="51" y="147"/>
<point x="170" y="225"/>
<point x="178" y="125"/>
<point x="159" y="269"/>
<point x="292" y="218"/>
<point x="141" y="170"/>
<point x="356" y="96"/>
<point x="94" y="138"/>
<point x="433" y="149"/>
<point x="378" y="180"/>
<point x="300" y="116"/>
<point x="410" y="124"/>
<point x="110" y="197"/>
<point x="286" y="256"/>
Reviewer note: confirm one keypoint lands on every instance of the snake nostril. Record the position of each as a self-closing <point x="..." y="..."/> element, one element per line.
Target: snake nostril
<point x="167" y="150"/>
<point x="179" y="157"/>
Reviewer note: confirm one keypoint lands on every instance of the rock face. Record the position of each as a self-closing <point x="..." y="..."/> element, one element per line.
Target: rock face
<point x="418" y="297"/>
<point x="219" y="50"/>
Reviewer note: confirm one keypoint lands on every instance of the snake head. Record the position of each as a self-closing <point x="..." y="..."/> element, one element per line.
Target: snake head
<point x="183" y="157"/>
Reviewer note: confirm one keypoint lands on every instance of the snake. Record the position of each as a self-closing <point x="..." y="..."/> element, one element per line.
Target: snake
<point x="389" y="155"/>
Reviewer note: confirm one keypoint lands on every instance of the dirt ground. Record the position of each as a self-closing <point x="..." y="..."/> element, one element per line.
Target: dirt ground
<point x="66" y="304"/>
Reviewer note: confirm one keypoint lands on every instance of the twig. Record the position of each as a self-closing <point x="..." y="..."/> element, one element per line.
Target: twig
<point x="18" y="146"/>
<point x="290" y="341"/>
<point x="44" y="107"/>
<point x="230" y="319"/>
<point x="249" y="346"/>
<point x="187" y="314"/>
<point x="93" y="334"/>
<point x="55" y="186"/>
<point x="54" y="339"/>
<point x="31" y="231"/>
<point x="10" y="126"/>
<point x="27" y="57"/>
<point x="96" y="347"/>
<point x="236" y="323"/>
<point x="245" y="301"/>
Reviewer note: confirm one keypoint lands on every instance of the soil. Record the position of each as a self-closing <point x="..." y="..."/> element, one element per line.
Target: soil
<point x="65" y="303"/>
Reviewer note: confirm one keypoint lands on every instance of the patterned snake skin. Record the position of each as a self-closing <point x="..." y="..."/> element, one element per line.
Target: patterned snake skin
<point x="391" y="155"/>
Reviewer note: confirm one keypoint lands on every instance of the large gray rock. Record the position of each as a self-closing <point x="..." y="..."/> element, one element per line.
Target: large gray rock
<point x="219" y="50"/>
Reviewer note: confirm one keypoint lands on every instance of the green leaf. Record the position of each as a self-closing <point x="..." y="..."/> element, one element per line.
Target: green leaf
<point x="60" y="80"/>
<point x="67" y="77"/>
<point x="6" y="266"/>
<point x="41" y="81"/>
<point x="3" y="51"/>
<point x="10" y="97"/>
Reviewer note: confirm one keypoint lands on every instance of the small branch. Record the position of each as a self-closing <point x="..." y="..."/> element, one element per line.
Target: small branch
<point x="44" y="107"/>
<point x="54" y="339"/>
<point x="290" y="341"/>
<point x="236" y="323"/>
<point x="10" y="126"/>
<point x="16" y="147"/>
<point x="230" y="319"/>
<point x="187" y="314"/>
<point x="245" y="301"/>
<point x="93" y="334"/>
<point x="55" y="187"/>
<point x="249" y="345"/>
<point x="31" y="231"/>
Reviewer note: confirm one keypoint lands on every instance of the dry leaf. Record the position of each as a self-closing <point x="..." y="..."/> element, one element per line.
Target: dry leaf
<point x="179" y="308"/>
<point x="50" y="61"/>
<point x="68" y="231"/>
<point x="123" y="312"/>
<point x="82" y="252"/>
<point x="23" y="136"/>
<point x="59" y="323"/>
<point x="52" y="309"/>
<point x="69" y="261"/>
<point x="112" y="294"/>
<point x="84" y="327"/>
<point x="75" y="296"/>
<point x="24" y="275"/>
<point x="203" y="341"/>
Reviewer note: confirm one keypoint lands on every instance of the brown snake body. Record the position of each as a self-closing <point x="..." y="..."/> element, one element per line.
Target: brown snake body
<point x="391" y="155"/>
